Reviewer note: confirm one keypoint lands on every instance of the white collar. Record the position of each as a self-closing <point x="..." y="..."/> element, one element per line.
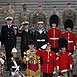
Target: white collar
<point x="26" y="30"/>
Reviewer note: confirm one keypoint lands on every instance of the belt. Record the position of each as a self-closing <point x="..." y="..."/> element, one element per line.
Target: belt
<point x="70" y="41"/>
<point x="40" y="40"/>
<point x="48" y="62"/>
<point x="54" y="38"/>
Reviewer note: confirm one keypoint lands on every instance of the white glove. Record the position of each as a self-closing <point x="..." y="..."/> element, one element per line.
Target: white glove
<point x="12" y="73"/>
<point x="44" y="46"/>
<point x="58" y="68"/>
<point x="2" y="61"/>
<point x="27" y="59"/>
<point x="71" y="66"/>
<point x="54" y="72"/>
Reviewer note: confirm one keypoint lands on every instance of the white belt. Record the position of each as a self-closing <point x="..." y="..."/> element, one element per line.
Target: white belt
<point x="40" y="40"/>
<point x="54" y="38"/>
<point x="13" y="66"/>
<point x="70" y="41"/>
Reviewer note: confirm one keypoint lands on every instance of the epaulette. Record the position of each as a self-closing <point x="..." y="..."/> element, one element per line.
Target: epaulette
<point x="24" y="53"/>
<point x="57" y="54"/>
<point x="69" y="54"/>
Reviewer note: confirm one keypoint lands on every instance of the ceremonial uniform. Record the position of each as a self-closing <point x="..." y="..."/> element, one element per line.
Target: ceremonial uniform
<point x="69" y="14"/>
<point x="8" y="38"/>
<point x="2" y="60"/>
<point x="33" y="63"/>
<point x="54" y="33"/>
<point x="39" y="16"/>
<point x="49" y="61"/>
<point x="26" y="36"/>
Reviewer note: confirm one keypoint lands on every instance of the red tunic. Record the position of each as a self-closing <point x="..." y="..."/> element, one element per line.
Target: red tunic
<point x="71" y="40"/>
<point x="64" y="60"/>
<point x="53" y="36"/>
<point x="49" y="60"/>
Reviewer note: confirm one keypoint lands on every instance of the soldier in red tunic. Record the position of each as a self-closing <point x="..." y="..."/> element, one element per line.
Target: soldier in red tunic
<point x="69" y="35"/>
<point x="64" y="60"/>
<point x="49" y="60"/>
<point x="54" y="33"/>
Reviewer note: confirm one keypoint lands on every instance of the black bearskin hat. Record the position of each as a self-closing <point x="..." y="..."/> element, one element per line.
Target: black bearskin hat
<point x="54" y="19"/>
<point x="68" y="23"/>
<point x="31" y="42"/>
<point x="62" y="42"/>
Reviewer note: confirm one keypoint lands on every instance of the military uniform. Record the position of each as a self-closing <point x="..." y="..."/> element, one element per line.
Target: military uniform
<point x="49" y="62"/>
<point x="26" y="36"/>
<point x="69" y="14"/>
<point x="40" y="37"/>
<point x="25" y="15"/>
<point x="33" y="63"/>
<point x="8" y="38"/>
<point x="39" y="16"/>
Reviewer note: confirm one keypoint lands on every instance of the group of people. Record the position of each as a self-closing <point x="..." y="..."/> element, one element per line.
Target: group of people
<point x="48" y="51"/>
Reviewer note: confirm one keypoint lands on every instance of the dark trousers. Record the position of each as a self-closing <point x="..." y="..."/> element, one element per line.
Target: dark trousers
<point x="47" y="74"/>
<point x="8" y="49"/>
<point x="56" y="50"/>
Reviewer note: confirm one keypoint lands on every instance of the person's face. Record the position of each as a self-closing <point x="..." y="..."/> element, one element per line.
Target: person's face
<point x="68" y="29"/>
<point x="54" y="9"/>
<point x="53" y="25"/>
<point x="63" y="49"/>
<point x="68" y="6"/>
<point x="24" y="6"/>
<point x="9" y="22"/>
<point x="31" y="46"/>
<point x="14" y="53"/>
<point x="48" y="47"/>
<point x="39" y="8"/>
<point x="9" y="7"/>
<point x="26" y="27"/>
<point x="40" y="26"/>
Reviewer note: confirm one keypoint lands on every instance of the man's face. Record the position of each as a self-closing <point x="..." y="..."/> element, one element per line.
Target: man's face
<point x="68" y="29"/>
<point x="63" y="49"/>
<point x="54" y="9"/>
<point x="26" y="27"/>
<point x="9" y="22"/>
<point x="48" y="47"/>
<point x="39" y="8"/>
<point x="31" y="46"/>
<point x="68" y="6"/>
<point x="53" y="25"/>
<point x="14" y="53"/>
<point x="40" y="26"/>
<point x="24" y="6"/>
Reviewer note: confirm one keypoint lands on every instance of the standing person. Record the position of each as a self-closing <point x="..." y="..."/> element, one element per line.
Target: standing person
<point x="69" y="35"/>
<point x="39" y="15"/>
<point x="49" y="60"/>
<point x="8" y="37"/>
<point x="32" y="61"/>
<point x="54" y="33"/>
<point x="2" y="61"/>
<point x="25" y="15"/>
<point x="8" y="12"/>
<point x="26" y="36"/>
<point x="69" y="13"/>
<point x="74" y="56"/>
<point x="64" y="60"/>
<point x="15" y="63"/>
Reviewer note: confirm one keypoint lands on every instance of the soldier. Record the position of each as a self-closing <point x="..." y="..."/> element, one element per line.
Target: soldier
<point x="64" y="60"/>
<point x="54" y="12"/>
<point x="32" y="61"/>
<point x="69" y="13"/>
<point x="8" y="12"/>
<point x="26" y="36"/>
<point x="39" y="15"/>
<point x="69" y="35"/>
<point x="25" y="15"/>
<point x="49" y="60"/>
<point x="15" y="63"/>
<point x="8" y="37"/>
<point x="54" y="33"/>
<point x="2" y="60"/>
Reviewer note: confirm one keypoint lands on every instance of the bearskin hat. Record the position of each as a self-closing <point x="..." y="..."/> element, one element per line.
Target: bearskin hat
<point x="54" y="19"/>
<point x="62" y="42"/>
<point x="68" y="23"/>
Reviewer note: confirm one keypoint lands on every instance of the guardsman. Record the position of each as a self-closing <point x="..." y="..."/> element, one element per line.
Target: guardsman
<point x="39" y="15"/>
<point x="8" y="12"/>
<point x="64" y="60"/>
<point x="25" y="15"/>
<point x="69" y="13"/>
<point x="15" y="63"/>
<point x="32" y="61"/>
<point x="54" y="33"/>
<point x="2" y="60"/>
<point x="49" y="60"/>
<point x="69" y="35"/>
<point x="26" y="36"/>
<point x="8" y="36"/>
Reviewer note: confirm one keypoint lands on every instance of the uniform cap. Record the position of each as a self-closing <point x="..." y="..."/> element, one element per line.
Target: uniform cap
<point x="14" y="50"/>
<point x="25" y="23"/>
<point x="9" y="18"/>
<point x="62" y="42"/>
